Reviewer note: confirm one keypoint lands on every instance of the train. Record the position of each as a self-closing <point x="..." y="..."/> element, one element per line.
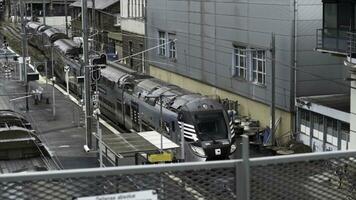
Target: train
<point x="140" y="102"/>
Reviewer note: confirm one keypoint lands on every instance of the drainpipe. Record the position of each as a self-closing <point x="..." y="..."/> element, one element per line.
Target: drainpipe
<point x="294" y="71"/>
<point x="351" y="63"/>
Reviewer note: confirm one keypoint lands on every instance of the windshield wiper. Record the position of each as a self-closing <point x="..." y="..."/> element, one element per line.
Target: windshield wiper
<point x="211" y="138"/>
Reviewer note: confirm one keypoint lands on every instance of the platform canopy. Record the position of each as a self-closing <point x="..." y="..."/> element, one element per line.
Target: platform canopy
<point x="130" y="143"/>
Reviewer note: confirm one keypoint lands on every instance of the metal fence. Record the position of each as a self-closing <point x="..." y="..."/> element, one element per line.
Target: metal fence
<point x="332" y="39"/>
<point x="328" y="175"/>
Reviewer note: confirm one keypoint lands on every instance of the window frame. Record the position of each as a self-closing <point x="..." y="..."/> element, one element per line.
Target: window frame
<point x="162" y="50"/>
<point x="172" y="49"/>
<point x="240" y="52"/>
<point x="255" y="61"/>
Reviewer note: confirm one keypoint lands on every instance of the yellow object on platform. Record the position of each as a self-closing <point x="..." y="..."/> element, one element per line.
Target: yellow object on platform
<point x="160" y="157"/>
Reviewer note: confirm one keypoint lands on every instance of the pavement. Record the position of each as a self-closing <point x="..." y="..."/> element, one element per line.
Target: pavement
<point x="63" y="133"/>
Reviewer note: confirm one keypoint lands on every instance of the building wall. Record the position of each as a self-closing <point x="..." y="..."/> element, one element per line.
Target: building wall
<point x="206" y="33"/>
<point x="105" y="23"/>
<point x="323" y="132"/>
<point x="138" y="43"/>
<point x="248" y="107"/>
<point x="317" y="72"/>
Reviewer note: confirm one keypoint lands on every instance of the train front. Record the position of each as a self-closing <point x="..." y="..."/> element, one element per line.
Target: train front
<point x="206" y="131"/>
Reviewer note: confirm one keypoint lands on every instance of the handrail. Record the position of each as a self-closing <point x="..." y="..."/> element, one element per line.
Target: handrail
<point x="332" y="39"/>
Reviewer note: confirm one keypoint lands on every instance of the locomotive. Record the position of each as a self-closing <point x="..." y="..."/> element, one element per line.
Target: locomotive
<point x="140" y="102"/>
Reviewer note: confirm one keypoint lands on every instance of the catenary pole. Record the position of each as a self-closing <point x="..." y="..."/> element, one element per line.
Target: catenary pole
<point x="93" y="23"/>
<point x="66" y="15"/>
<point x="24" y="51"/>
<point x="86" y="74"/>
<point x="44" y="11"/>
<point x="273" y="90"/>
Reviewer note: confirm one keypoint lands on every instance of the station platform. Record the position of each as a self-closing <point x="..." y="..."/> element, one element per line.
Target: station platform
<point x="127" y="145"/>
<point x="64" y="132"/>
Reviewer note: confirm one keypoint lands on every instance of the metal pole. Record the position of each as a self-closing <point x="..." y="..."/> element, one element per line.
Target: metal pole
<point x="24" y="51"/>
<point x="246" y="165"/>
<point x="182" y="150"/>
<point x="66" y="15"/>
<point x="100" y="142"/>
<point x="161" y="119"/>
<point x="31" y="10"/>
<point x="143" y="63"/>
<point x="86" y="74"/>
<point x="93" y="22"/>
<point x="53" y="81"/>
<point x="273" y="103"/>
<point x="44" y="11"/>
<point x="67" y="81"/>
<point x="46" y="73"/>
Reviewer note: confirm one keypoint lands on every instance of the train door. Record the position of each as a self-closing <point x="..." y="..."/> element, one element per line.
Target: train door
<point x="127" y="116"/>
<point x="119" y="112"/>
<point x="135" y="115"/>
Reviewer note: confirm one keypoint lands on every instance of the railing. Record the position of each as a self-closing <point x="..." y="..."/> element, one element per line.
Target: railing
<point x="351" y="45"/>
<point x="332" y="40"/>
<point x="328" y="175"/>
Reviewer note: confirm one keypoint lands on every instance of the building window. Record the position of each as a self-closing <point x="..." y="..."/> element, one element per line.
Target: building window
<point x="331" y="131"/>
<point x="172" y="45"/>
<point x="167" y="44"/>
<point x="240" y="62"/>
<point x="259" y="67"/>
<point x="330" y="15"/>
<point x="162" y="43"/>
<point x="318" y="131"/>
<point x="305" y="122"/>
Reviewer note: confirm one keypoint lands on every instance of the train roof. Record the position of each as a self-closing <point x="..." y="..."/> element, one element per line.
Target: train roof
<point x="149" y="88"/>
<point x="55" y="34"/>
<point x="51" y="31"/>
<point x="43" y="27"/>
<point x="9" y="119"/>
<point x="33" y="25"/>
<point x="113" y="74"/>
<point x="67" y="46"/>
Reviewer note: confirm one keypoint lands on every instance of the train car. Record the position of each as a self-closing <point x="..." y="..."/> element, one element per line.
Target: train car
<point x="67" y="53"/>
<point x="36" y="30"/>
<point x="133" y="100"/>
<point x="53" y="34"/>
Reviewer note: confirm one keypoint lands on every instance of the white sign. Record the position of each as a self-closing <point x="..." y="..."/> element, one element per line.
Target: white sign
<point x="141" y="195"/>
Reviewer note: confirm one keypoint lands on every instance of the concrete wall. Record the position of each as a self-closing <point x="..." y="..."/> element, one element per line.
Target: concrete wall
<point x="248" y="107"/>
<point x="138" y="44"/>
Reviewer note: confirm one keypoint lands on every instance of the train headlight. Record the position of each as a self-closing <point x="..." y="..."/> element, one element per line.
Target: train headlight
<point x="198" y="151"/>
<point x="233" y="148"/>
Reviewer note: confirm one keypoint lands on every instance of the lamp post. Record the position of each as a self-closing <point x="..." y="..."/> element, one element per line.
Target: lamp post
<point x="53" y="82"/>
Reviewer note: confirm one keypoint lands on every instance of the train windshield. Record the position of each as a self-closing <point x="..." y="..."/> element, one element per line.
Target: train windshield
<point x="211" y="126"/>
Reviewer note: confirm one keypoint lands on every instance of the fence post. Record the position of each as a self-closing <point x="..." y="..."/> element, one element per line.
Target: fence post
<point x="243" y="172"/>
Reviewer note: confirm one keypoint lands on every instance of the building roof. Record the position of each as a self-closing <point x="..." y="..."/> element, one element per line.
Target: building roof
<point x="339" y="102"/>
<point x="334" y="106"/>
<point x="99" y="4"/>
